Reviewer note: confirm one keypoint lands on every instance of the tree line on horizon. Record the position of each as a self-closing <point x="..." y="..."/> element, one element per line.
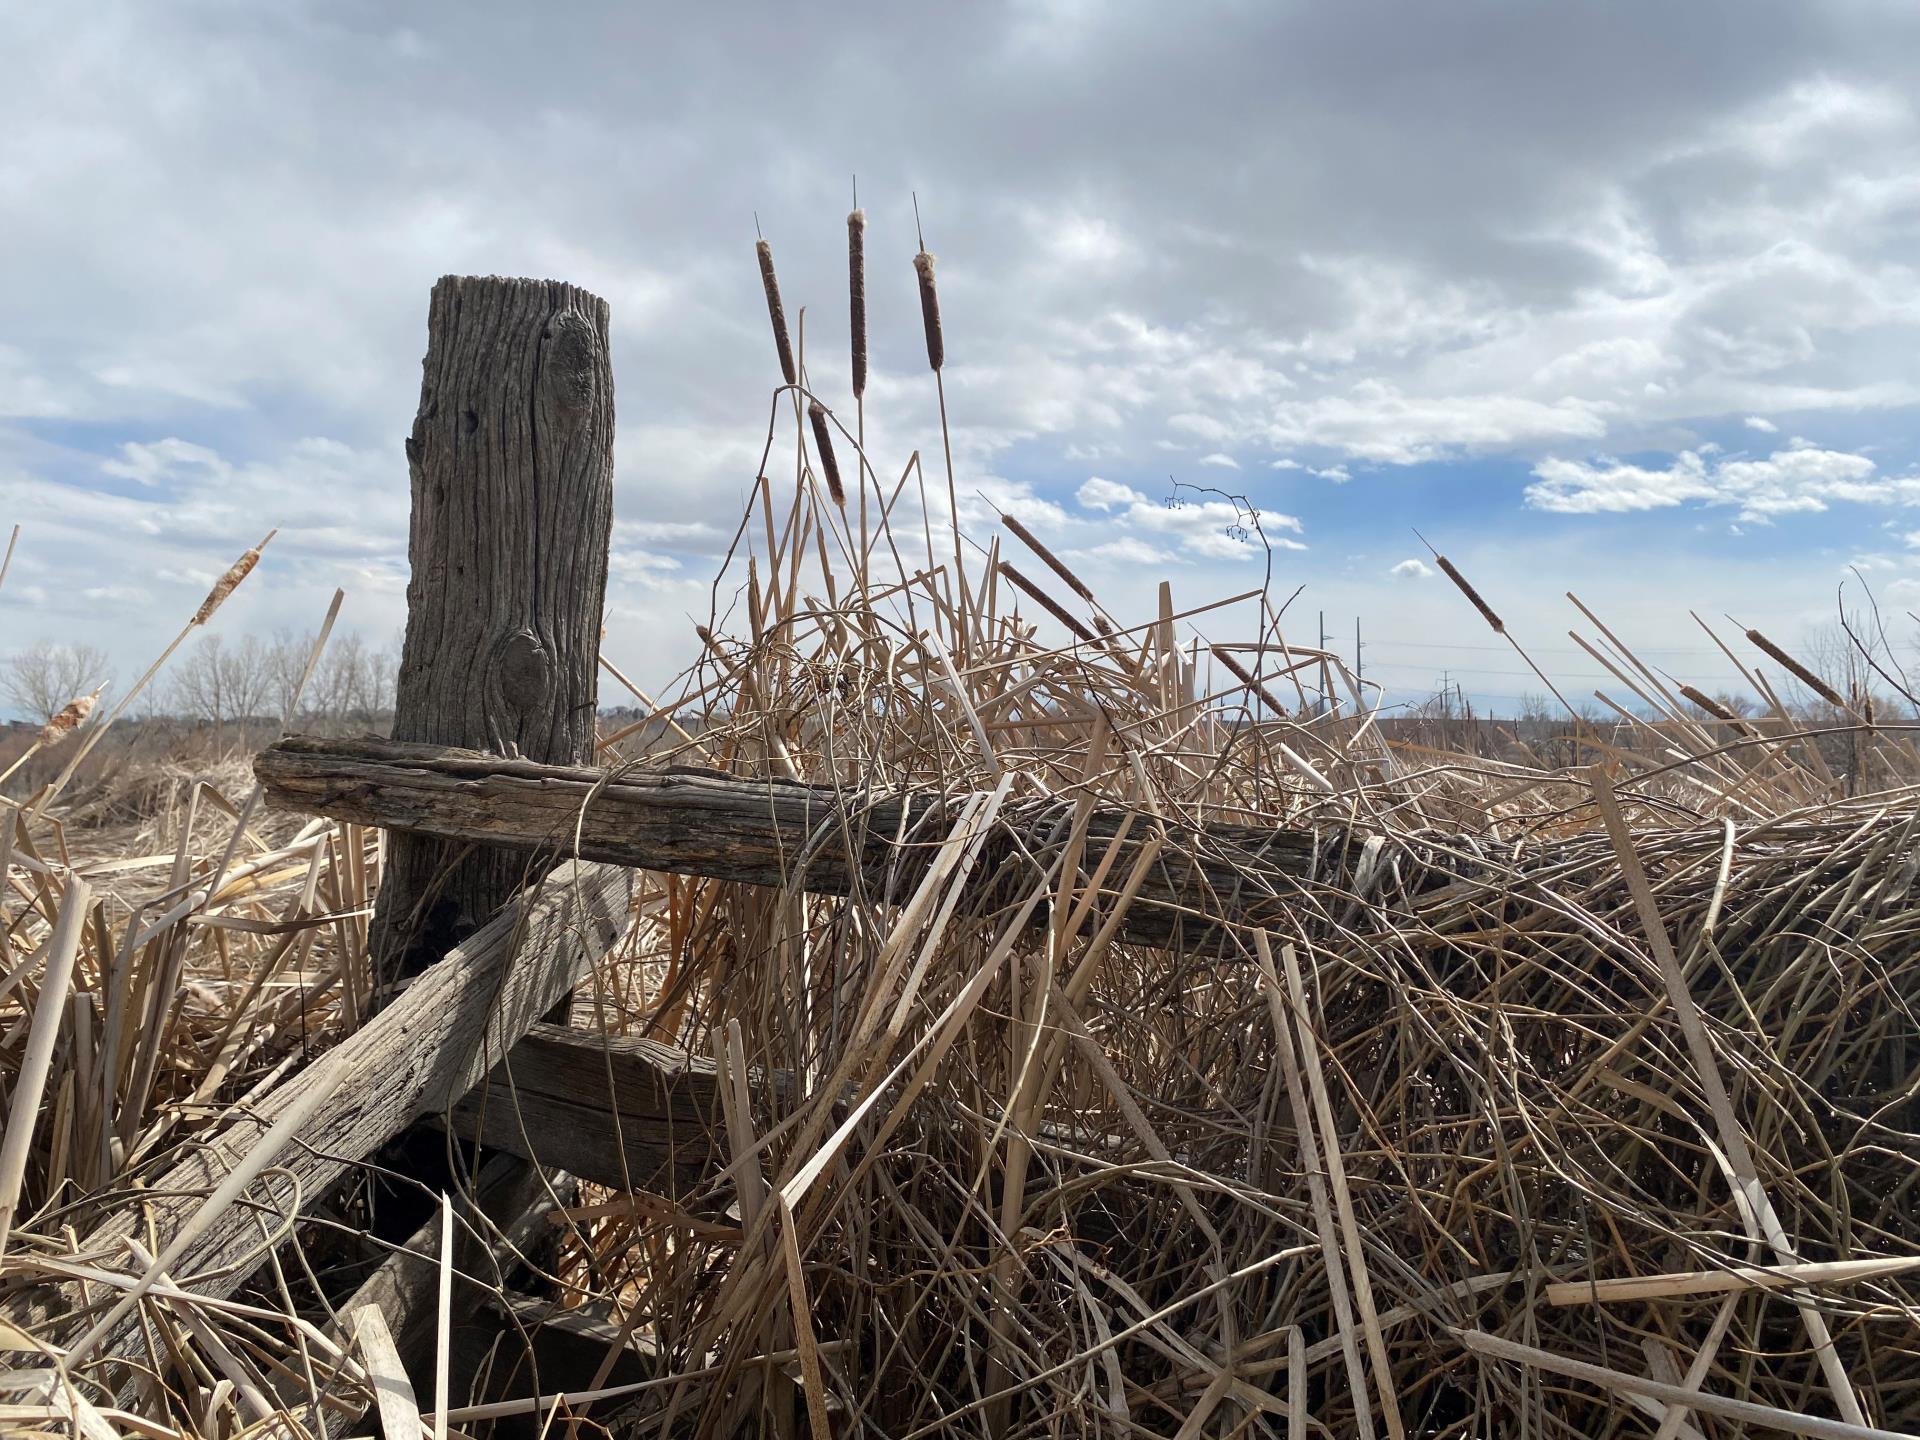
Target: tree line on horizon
<point x="217" y="683"/>
<point x="253" y="679"/>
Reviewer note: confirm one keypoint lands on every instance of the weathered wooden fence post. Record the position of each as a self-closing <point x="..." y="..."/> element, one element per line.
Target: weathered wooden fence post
<point x="511" y="458"/>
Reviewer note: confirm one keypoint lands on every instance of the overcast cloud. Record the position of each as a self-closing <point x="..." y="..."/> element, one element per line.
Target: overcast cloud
<point x="1616" y="297"/>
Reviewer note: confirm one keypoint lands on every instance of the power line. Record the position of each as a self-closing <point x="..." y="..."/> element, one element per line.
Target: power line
<point x="1538" y="649"/>
<point x="1409" y="667"/>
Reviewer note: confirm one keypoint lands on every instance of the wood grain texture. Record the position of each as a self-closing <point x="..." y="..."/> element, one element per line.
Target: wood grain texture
<point x="816" y="839"/>
<point x="443" y="1034"/>
<point x="511" y="465"/>
<point x="618" y="1110"/>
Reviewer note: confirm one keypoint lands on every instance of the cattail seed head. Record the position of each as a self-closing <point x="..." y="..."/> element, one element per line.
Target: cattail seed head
<point x="227" y="583"/>
<point x="1486" y="610"/>
<point x="1047" y="603"/>
<point x="69" y="719"/>
<point x="1246" y="677"/>
<point x="930" y="310"/>
<point x="776" y="313"/>
<point x="823" y="442"/>
<point x="857" y="296"/>
<point x="1053" y="562"/>
<point x="1714" y="708"/>
<point x="1800" y="672"/>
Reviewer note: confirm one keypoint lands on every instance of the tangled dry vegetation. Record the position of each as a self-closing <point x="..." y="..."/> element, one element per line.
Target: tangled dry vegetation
<point x="1576" y="1102"/>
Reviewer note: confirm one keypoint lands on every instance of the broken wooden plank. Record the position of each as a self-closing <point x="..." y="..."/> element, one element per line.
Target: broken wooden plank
<point x="442" y="1034"/>
<point x="812" y="838"/>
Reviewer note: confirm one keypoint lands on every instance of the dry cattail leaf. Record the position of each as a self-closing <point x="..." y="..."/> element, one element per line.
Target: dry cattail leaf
<point x="776" y="313"/>
<point x="1486" y="610"/>
<point x="823" y="442"/>
<point x="857" y="296"/>
<point x="1052" y="561"/>
<point x="229" y="582"/>
<point x="1800" y="672"/>
<point x="71" y="718"/>
<point x="930" y="310"/>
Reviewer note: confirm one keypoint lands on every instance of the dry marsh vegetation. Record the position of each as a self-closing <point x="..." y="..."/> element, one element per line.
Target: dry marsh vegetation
<point x="1575" y="1101"/>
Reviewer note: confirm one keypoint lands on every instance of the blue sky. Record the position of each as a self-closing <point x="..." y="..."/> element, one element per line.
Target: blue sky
<point x="1617" y="299"/>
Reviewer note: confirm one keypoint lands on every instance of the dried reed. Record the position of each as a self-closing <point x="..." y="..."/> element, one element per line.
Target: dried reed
<point x="1530" y="1086"/>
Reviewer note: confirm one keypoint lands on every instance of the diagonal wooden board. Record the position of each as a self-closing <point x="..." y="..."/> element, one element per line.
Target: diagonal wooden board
<point x="440" y="1036"/>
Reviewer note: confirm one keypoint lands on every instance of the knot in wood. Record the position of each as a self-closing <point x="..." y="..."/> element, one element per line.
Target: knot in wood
<point x="520" y="679"/>
<point x="569" y="362"/>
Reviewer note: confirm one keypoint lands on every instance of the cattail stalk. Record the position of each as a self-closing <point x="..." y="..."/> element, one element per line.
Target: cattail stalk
<point x="1047" y="557"/>
<point x="1714" y="708"/>
<point x="70" y="718"/>
<point x="1799" y="672"/>
<point x="1047" y="602"/>
<point x="228" y="583"/>
<point x="1247" y="678"/>
<point x="857" y="297"/>
<point x="823" y="442"/>
<point x="776" y="313"/>
<point x="216" y="597"/>
<point x="930" y="311"/>
<point x="937" y="357"/>
<point x="1466" y="589"/>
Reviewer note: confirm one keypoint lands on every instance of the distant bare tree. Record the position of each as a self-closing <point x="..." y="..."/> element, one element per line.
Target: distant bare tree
<point x="42" y="678"/>
<point x="219" y="683"/>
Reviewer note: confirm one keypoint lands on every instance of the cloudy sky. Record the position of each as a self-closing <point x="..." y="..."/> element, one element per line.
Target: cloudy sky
<point x="1612" y="297"/>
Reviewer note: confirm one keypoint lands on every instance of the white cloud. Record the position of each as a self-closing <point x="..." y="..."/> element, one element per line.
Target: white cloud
<point x="1207" y="528"/>
<point x="1762" y="424"/>
<point x="1801" y="478"/>
<point x="1711" y="234"/>
<point x="1217" y="529"/>
<point x="1099" y="494"/>
<point x="1220" y="459"/>
<point x="1377" y="420"/>
<point x="1128" y="551"/>
<point x="1412" y="569"/>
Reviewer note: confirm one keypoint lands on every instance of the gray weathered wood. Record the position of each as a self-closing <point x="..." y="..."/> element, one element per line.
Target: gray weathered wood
<point x="768" y="832"/>
<point x="511" y="460"/>
<point x="588" y="1102"/>
<point x="443" y="1034"/>
<point x="508" y="1194"/>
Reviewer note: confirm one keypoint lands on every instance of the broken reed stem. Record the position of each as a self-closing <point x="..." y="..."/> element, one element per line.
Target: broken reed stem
<point x="782" y="343"/>
<point x="823" y="442"/>
<point x="31" y="1080"/>
<point x="1040" y="597"/>
<point x="1799" y="672"/>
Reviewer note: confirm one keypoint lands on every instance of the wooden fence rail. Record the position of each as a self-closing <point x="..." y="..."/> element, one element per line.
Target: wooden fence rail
<point x="1202" y="885"/>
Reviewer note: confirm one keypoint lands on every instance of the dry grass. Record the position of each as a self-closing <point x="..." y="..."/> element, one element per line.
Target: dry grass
<point x="1375" y="1171"/>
